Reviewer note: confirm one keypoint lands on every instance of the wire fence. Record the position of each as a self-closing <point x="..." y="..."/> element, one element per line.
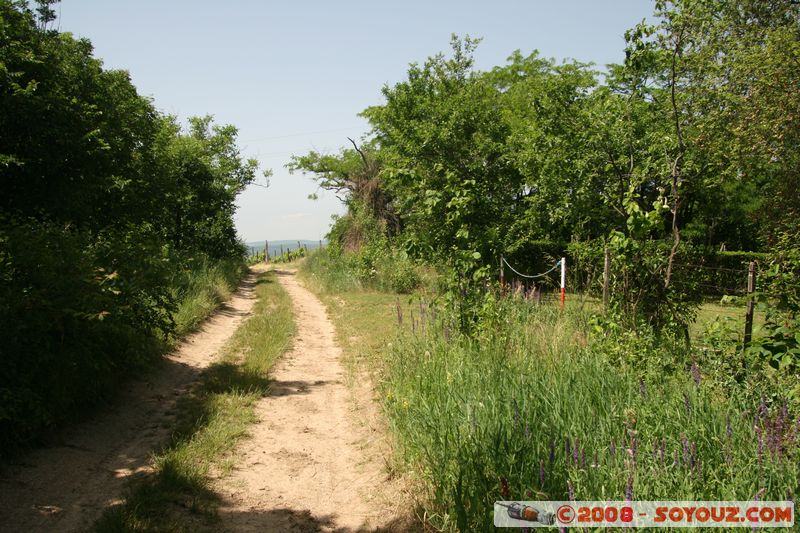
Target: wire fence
<point x="591" y="280"/>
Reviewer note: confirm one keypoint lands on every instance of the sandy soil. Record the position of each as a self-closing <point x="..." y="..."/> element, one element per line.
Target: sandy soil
<point x="67" y="486"/>
<point x="310" y="464"/>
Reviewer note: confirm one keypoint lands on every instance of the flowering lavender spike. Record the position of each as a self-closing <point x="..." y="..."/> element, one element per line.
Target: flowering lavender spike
<point x="570" y="490"/>
<point x="685" y="443"/>
<point x="541" y="474"/>
<point x="696" y="373"/>
<point x="629" y="489"/>
<point x="728" y="428"/>
<point x="567" y="450"/>
<point x="576" y="452"/>
<point x="687" y="404"/>
<point x="762" y="409"/>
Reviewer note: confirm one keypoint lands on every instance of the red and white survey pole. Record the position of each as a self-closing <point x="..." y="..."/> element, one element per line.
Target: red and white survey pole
<point x="563" y="280"/>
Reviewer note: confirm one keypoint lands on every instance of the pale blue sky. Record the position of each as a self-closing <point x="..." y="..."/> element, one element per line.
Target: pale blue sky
<point x="293" y="75"/>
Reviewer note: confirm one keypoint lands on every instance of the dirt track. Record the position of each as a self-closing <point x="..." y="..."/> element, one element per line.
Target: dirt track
<point x="66" y="487"/>
<point x="313" y="461"/>
<point x="309" y="465"/>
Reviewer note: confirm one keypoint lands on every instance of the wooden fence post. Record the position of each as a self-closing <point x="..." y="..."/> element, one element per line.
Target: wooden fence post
<point x="748" y="317"/>
<point x="502" y="278"/>
<point x="563" y="281"/>
<point x="606" y="269"/>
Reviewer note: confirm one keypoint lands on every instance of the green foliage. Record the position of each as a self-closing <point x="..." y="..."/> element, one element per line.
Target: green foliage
<point x="200" y="288"/>
<point x="360" y="256"/>
<point x="109" y="214"/>
<point x="554" y="410"/>
<point x="779" y="343"/>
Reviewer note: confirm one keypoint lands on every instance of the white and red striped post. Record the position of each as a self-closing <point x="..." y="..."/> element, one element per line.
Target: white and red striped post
<point x="563" y="280"/>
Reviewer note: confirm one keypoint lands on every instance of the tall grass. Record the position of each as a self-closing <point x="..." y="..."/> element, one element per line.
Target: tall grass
<point x="375" y="267"/>
<point x="200" y="289"/>
<point x="535" y="407"/>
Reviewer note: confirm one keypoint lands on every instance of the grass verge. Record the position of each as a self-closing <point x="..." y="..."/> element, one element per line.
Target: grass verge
<point x="200" y="292"/>
<point x="211" y="420"/>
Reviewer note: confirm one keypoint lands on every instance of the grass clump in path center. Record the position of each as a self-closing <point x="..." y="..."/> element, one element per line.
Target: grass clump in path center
<point x="212" y="419"/>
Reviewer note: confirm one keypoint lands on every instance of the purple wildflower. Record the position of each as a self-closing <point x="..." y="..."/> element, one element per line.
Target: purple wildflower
<point x="687" y="404"/>
<point x="762" y="409"/>
<point x="541" y="474"/>
<point x="634" y="447"/>
<point x="629" y="489"/>
<point x="695" y="373"/>
<point x="685" y="443"/>
<point x="567" y="450"/>
<point x="576" y="452"/>
<point x="570" y="490"/>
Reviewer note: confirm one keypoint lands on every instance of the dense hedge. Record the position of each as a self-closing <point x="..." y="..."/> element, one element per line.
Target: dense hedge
<point x="106" y="204"/>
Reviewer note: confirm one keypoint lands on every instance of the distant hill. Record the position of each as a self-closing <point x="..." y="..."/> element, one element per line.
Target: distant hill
<point x="275" y="246"/>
